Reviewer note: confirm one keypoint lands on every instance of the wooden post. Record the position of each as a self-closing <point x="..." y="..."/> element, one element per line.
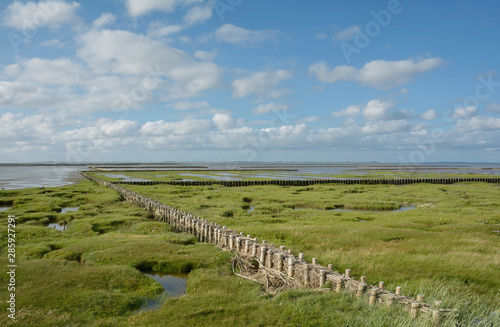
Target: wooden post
<point x="290" y="251"/>
<point x="381" y="285"/>
<point x="339" y="286"/>
<point x="282" y="248"/>
<point x="301" y="256"/>
<point x="414" y="309"/>
<point x="306" y="275"/>
<point x="322" y="277"/>
<point x="238" y="244"/>
<point x="348" y="273"/>
<point x="398" y="290"/>
<point x="269" y="258"/>
<point x="254" y="250"/>
<point x="290" y="267"/>
<point x="420" y="298"/>
<point x="390" y="300"/>
<point x="263" y="250"/>
<point x="231" y="238"/>
<point x="436" y="316"/>
<point x="363" y="280"/>
<point x="315" y="261"/>
<point x="247" y="246"/>
<point x="361" y="290"/>
<point x="373" y="297"/>
<point x="280" y="261"/>
<point x="330" y="266"/>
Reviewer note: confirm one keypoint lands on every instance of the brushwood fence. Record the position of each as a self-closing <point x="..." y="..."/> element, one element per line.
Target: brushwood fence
<point x="310" y="275"/>
<point x="395" y="181"/>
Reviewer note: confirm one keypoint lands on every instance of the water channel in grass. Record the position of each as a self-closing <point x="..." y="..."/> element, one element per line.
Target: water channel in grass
<point x="2" y="208"/>
<point x="174" y="285"/>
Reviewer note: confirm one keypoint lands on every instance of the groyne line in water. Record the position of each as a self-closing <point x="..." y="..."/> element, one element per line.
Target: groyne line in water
<point x="347" y="181"/>
<point x="310" y="275"/>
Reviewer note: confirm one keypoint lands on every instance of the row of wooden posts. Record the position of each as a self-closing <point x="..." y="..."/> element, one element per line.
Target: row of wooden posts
<point x="395" y="181"/>
<point x="311" y="275"/>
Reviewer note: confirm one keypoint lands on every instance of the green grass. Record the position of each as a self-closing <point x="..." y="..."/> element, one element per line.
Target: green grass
<point x="448" y="236"/>
<point x="90" y="275"/>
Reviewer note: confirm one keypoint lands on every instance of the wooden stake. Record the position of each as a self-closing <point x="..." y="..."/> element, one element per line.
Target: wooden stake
<point x="414" y="309"/>
<point x="363" y="280"/>
<point x="361" y="290"/>
<point x="373" y="297"/>
<point x="339" y="286"/>
<point x="322" y="277"/>
<point x="348" y="273"/>
<point x="290" y="267"/>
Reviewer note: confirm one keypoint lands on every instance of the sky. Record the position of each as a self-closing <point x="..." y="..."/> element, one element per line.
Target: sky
<point x="238" y="80"/>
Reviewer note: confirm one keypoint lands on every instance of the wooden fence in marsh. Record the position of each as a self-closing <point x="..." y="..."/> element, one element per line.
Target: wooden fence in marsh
<point x="310" y="275"/>
<point x="346" y="181"/>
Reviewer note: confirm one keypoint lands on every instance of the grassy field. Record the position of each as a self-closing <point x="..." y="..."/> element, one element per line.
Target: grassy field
<point x="91" y="274"/>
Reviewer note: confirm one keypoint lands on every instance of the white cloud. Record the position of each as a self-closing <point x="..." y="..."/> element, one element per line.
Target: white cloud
<point x="260" y="83"/>
<point x="125" y="53"/>
<point x="237" y="35"/>
<point x="159" y="32"/>
<point x="105" y="19"/>
<point x="350" y="111"/>
<point x="187" y="105"/>
<point x="184" y="127"/>
<point x="52" y="14"/>
<point x="429" y="115"/>
<point x="386" y="127"/>
<point x="493" y="108"/>
<point x="379" y="74"/>
<point x="346" y="34"/>
<point x="338" y="73"/>
<point x="205" y="55"/>
<point x="198" y="15"/>
<point x="478" y="123"/>
<point x="377" y="110"/>
<point x="464" y="112"/>
<point x="137" y="8"/>
<point x="320" y="36"/>
<point x="310" y="119"/>
<point x="266" y="108"/>
<point x="53" y="43"/>
<point x="224" y="121"/>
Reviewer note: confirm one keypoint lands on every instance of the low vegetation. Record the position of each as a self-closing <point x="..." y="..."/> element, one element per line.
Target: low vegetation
<point x="91" y="274"/>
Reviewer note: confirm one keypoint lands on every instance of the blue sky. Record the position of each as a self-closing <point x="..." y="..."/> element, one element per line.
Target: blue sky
<point x="215" y="80"/>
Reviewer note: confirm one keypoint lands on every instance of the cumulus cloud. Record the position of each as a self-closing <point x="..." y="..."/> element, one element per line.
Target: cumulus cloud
<point x="379" y="74"/>
<point x="346" y="34"/>
<point x="350" y="111"/>
<point x="105" y="19"/>
<point x="198" y="15"/>
<point x="126" y="53"/>
<point x="53" y="43"/>
<point x="310" y="119"/>
<point x="386" y="127"/>
<point x="269" y="107"/>
<point x="188" y="105"/>
<point x="137" y="8"/>
<point x="478" y="123"/>
<point x="237" y="35"/>
<point x="260" y="83"/>
<point x="184" y="127"/>
<point x="493" y="108"/>
<point x="52" y="14"/>
<point x="464" y="112"/>
<point x="224" y="121"/>
<point x="429" y="115"/>
<point x="376" y="110"/>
